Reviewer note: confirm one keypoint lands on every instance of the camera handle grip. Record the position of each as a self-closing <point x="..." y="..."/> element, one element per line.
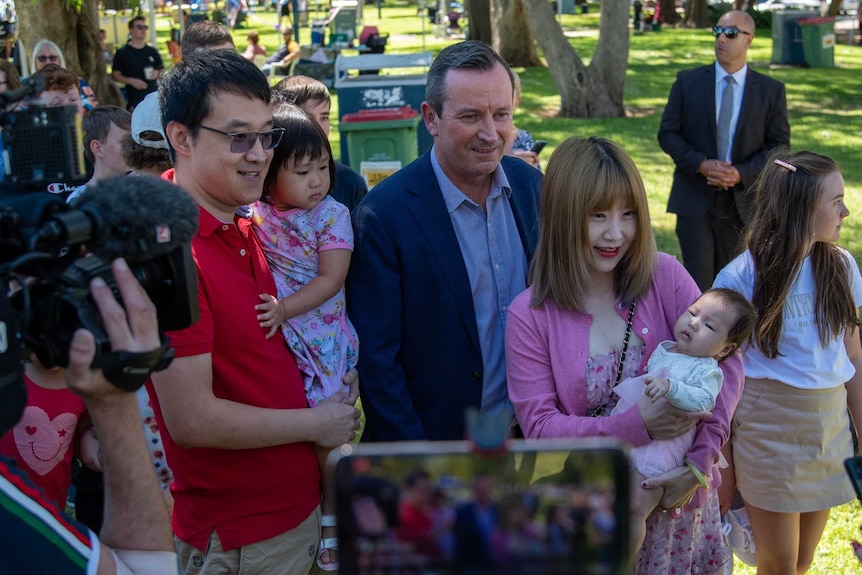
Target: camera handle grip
<point x="129" y="370"/>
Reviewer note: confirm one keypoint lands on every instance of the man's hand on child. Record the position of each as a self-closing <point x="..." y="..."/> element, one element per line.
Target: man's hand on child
<point x="273" y="313"/>
<point x="338" y="421"/>
<point x="351" y="380"/>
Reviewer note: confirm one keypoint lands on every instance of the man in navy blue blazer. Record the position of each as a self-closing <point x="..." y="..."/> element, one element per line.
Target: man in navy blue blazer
<point x="441" y="248"/>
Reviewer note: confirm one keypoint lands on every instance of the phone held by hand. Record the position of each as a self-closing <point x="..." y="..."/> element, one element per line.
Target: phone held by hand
<point x="580" y="483"/>
<point x="538" y="146"/>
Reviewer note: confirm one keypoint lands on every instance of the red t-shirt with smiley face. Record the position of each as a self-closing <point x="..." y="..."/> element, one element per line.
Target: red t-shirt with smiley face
<point x="43" y="442"/>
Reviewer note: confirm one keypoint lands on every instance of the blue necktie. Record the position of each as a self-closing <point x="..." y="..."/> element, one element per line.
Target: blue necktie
<point x="725" y="113"/>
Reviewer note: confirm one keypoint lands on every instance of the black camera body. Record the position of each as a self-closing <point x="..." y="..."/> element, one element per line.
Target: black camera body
<point x="50" y="252"/>
<point x="58" y="308"/>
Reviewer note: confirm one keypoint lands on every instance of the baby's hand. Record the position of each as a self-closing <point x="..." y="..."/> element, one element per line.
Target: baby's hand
<point x="273" y="313"/>
<point x="657" y="388"/>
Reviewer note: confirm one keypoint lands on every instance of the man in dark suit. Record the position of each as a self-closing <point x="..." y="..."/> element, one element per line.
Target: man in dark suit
<point x="718" y="156"/>
<point x="441" y="248"/>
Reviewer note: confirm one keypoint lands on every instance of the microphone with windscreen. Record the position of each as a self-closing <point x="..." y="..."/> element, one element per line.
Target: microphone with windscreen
<point x="145" y="220"/>
<point x="138" y="217"/>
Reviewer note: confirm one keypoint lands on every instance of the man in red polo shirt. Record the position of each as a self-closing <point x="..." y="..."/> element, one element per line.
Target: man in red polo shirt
<point x="237" y="430"/>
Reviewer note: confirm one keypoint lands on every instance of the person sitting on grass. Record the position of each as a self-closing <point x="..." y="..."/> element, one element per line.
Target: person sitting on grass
<point x="284" y="56"/>
<point x="254" y="46"/>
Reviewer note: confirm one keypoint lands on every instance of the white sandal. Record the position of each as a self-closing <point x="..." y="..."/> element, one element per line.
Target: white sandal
<point x="327" y="543"/>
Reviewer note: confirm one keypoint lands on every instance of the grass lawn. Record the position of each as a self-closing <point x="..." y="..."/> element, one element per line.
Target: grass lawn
<point x="825" y="107"/>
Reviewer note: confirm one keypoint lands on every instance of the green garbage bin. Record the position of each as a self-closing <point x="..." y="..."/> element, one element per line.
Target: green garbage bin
<point x="381" y="141"/>
<point x="380" y="81"/>
<point x="818" y="41"/>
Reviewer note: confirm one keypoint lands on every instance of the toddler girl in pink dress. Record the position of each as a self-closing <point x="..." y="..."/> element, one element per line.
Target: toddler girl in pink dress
<point x="308" y="240"/>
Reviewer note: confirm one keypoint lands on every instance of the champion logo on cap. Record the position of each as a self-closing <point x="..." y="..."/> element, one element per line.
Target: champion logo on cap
<point x="61" y="188"/>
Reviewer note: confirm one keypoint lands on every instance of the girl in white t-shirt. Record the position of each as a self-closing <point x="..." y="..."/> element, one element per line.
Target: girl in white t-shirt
<point x="790" y="432"/>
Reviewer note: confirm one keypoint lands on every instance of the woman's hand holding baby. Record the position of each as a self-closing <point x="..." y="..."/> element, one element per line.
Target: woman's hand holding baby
<point x="664" y="421"/>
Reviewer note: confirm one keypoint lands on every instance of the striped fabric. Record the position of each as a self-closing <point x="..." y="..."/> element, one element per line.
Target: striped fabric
<point x="35" y="538"/>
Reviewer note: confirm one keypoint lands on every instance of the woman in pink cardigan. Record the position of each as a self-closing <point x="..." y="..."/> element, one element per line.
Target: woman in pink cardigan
<point x="601" y="299"/>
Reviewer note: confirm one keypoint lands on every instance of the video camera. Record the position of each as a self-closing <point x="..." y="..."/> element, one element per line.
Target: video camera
<point x="50" y="252"/>
<point x="41" y="145"/>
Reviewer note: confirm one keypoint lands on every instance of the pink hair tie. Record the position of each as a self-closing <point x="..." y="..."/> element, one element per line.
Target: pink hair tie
<point x="785" y="165"/>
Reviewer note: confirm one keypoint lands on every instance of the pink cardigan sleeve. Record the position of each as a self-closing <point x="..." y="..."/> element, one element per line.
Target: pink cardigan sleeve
<point x="714" y="432"/>
<point x="546" y="357"/>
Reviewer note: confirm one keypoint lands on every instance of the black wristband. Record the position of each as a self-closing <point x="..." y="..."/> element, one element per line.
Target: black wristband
<point x="129" y="370"/>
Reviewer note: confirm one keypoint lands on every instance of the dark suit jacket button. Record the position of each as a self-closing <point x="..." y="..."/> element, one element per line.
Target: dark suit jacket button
<point x="475" y="376"/>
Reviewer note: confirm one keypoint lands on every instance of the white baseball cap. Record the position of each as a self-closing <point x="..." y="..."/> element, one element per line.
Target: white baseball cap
<point x="147" y="117"/>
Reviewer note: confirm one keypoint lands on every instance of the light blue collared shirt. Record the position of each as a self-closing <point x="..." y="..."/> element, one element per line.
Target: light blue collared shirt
<point x="738" y="90"/>
<point x="497" y="267"/>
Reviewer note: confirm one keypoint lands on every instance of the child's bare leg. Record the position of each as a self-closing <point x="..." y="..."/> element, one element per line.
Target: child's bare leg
<point x="327" y="505"/>
<point x="643" y="502"/>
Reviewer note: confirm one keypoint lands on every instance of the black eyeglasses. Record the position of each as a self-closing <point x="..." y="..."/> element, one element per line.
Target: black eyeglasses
<point x="141" y="27"/>
<point x="242" y="142"/>
<point x="730" y="32"/>
<point x="51" y="58"/>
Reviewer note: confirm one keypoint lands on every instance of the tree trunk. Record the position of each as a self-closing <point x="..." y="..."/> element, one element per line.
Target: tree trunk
<point x="669" y="14"/>
<point x="480" y="20"/>
<point x="512" y="39"/>
<point x="697" y="14"/>
<point x="834" y="8"/>
<point x="77" y="35"/>
<point x="594" y="91"/>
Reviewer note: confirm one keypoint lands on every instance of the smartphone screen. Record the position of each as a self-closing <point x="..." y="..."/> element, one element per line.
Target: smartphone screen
<point x="549" y="507"/>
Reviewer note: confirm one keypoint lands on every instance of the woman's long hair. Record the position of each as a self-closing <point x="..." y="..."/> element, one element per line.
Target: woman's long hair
<point x="779" y="240"/>
<point x="585" y="176"/>
<point x="38" y="48"/>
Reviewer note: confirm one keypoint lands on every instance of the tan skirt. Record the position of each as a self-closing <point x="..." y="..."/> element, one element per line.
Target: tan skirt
<point x="789" y="447"/>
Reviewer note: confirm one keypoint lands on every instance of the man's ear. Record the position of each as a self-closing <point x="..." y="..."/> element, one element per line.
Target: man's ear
<point x="96" y="149"/>
<point x="430" y="118"/>
<point x="180" y="138"/>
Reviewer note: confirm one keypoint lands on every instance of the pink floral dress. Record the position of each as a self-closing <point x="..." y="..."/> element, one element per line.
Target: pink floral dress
<point x="323" y="340"/>
<point x="690" y="542"/>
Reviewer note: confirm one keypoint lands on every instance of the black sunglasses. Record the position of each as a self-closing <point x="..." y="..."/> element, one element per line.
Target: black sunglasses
<point x="730" y="32"/>
<point x="242" y="142"/>
<point x="51" y="58"/>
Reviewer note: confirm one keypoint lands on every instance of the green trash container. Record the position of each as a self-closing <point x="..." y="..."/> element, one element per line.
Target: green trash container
<point x="818" y="41"/>
<point x="380" y="81"/>
<point x="380" y="141"/>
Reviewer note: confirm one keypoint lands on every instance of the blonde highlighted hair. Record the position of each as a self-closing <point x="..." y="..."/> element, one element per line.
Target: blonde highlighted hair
<point x="585" y="176"/>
